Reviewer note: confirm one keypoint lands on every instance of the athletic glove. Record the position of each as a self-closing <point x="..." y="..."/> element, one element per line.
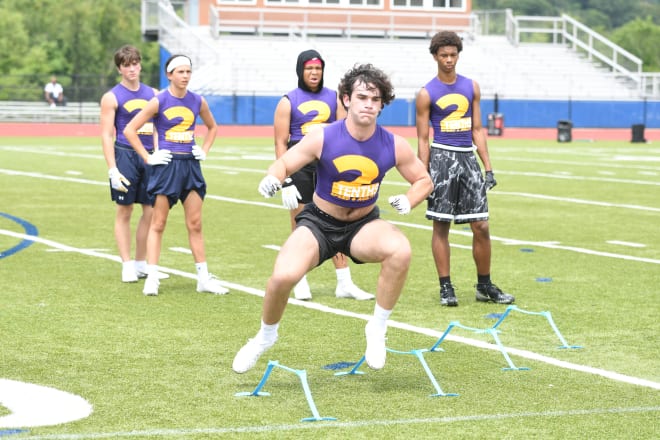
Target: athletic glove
<point x="290" y="194"/>
<point x="400" y="203"/>
<point x="117" y="180"/>
<point x="199" y="154"/>
<point x="269" y="185"/>
<point x="160" y="157"/>
<point x="490" y="180"/>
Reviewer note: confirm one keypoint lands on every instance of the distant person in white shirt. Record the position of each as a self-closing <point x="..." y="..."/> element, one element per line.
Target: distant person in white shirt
<point x="54" y="93"/>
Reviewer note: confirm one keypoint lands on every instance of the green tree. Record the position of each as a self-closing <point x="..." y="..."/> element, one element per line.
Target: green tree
<point x="641" y="37"/>
<point x="74" y="39"/>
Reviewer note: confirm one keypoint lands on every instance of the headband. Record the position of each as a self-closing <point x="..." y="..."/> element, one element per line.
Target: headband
<point x="178" y="61"/>
<point x="313" y="61"/>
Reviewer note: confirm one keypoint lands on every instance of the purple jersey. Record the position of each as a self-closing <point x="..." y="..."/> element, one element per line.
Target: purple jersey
<point x="349" y="172"/>
<point x="175" y="121"/>
<point x="451" y="112"/>
<point x="129" y="103"/>
<point x="310" y="110"/>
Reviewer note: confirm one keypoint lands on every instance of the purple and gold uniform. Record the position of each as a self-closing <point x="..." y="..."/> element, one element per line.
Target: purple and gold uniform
<point x="175" y="124"/>
<point x="310" y="110"/>
<point x="349" y="171"/>
<point x="128" y="162"/>
<point x="459" y="192"/>
<point x="349" y="174"/>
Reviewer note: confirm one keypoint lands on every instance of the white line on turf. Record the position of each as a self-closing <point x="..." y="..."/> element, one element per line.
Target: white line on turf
<point x="400" y="325"/>
<point x="339" y="424"/>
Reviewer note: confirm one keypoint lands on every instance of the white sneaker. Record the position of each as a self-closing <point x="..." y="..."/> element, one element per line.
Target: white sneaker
<point x="160" y="275"/>
<point x="128" y="275"/>
<point x="301" y="290"/>
<point x="247" y="357"/>
<point x="376" y="352"/>
<point x="151" y="286"/>
<point x="352" y="291"/>
<point x="211" y="285"/>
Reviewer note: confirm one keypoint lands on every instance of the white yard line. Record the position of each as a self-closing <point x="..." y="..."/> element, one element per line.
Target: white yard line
<point x="340" y="312"/>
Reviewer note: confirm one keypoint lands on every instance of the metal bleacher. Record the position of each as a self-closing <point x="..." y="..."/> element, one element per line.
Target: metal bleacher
<point x="266" y="66"/>
<point x="27" y="111"/>
<point x="259" y="63"/>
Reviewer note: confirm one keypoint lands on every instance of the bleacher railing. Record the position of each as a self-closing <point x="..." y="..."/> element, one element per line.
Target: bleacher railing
<point x="578" y="37"/>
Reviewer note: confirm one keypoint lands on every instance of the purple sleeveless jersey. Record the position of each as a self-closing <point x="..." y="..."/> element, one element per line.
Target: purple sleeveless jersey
<point x="311" y="110"/>
<point x="129" y="103"/>
<point x="176" y="121"/>
<point x="451" y="111"/>
<point x="349" y="172"/>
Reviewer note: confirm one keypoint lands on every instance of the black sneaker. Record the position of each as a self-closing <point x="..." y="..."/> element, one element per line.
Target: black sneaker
<point x="447" y="295"/>
<point x="490" y="292"/>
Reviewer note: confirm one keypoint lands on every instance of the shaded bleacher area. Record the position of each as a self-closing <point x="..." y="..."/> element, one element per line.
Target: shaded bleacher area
<point x="28" y="111"/>
<point x="265" y="65"/>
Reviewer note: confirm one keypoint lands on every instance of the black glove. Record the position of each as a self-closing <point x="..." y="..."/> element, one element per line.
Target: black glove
<point x="490" y="180"/>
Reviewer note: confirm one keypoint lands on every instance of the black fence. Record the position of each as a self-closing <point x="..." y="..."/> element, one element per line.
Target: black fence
<point x="77" y="88"/>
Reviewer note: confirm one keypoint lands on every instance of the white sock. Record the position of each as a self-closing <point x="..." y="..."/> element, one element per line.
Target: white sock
<point x="344" y="276"/>
<point x="303" y="284"/>
<point x="268" y="332"/>
<point x="152" y="270"/>
<point x="380" y="317"/>
<point x="202" y="270"/>
<point x="129" y="263"/>
<point x="141" y="266"/>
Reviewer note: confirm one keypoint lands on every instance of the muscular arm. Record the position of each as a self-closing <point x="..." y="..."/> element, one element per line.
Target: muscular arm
<point x="412" y="169"/>
<point x="108" y="111"/>
<point x="131" y="130"/>
<point x="304" y="152"/>
<point x="282" y="126"/>
<point x="422" y="117"/>
<point x="209" y="122"/>
<point x="478" y="135"/>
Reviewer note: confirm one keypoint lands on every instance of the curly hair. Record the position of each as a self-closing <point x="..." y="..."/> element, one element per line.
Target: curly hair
<point x="372" y="77"/>
<point x="445" y="38"/>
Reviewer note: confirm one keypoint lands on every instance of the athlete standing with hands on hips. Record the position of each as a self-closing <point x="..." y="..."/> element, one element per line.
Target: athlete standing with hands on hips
<point x="309" y="107"/>
<point x="353" y="157"/>
<point x="127" y="171"/>
<point x="176" y="173"/>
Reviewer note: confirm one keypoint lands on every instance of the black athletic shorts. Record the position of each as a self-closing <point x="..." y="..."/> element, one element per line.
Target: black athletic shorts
<point x="332" y="235"/>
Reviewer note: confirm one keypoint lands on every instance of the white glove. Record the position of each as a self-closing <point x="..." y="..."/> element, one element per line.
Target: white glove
<point x="160" y="157"/>
<point x="400" y="203"/>
<point x="269" y="185"/>
<point x="198" y="153"/>
<point x="117" y="180"/>
<point x="290" y="194"/>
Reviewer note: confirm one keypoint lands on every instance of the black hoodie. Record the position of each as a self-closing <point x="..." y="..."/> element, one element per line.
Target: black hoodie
<point x="300" y="67"/>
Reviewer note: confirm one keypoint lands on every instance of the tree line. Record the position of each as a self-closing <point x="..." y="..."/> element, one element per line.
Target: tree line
<point x="76" y="39"/>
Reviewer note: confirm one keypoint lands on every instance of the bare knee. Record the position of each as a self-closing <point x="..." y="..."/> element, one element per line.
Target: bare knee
<point x="480" y="229"/>
<point x="400" y="253"/>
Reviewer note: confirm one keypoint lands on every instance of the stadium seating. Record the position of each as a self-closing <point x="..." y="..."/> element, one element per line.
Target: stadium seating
<point x="265" y="65"/>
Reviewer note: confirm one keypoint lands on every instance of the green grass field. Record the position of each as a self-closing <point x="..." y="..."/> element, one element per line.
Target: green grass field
<point x="575" y="230"/>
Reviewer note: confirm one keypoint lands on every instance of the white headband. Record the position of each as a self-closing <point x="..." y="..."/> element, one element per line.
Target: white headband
<point x="178" y="61"/>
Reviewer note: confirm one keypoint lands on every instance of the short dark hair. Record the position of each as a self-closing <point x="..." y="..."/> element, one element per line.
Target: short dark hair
<point x="445" y="38"/>
<point x="370" y="75"/>
<point x="127" y="55"/>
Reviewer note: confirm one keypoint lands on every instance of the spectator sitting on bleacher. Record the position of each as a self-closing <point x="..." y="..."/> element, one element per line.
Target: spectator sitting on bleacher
<point x="54" y="93"/>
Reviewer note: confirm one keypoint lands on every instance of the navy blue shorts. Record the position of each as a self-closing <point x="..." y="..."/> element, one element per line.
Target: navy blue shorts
<point x="332" y="235"/>
<point x="177" y="179"/>
<point x="131" y="166"/>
